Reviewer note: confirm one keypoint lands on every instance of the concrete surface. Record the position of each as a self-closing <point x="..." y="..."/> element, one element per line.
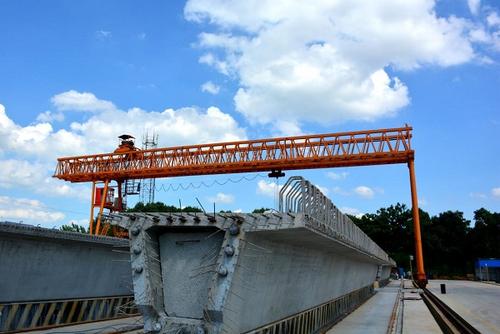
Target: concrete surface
<point x="417" y="318"/>
<point x="373" y="316"/>
<point x="478" y="303"/>
<point x="44" y="264"/>
<point x="122" y="325"/>
<point x="237" y="272"/>
<point x="265" y="267"/>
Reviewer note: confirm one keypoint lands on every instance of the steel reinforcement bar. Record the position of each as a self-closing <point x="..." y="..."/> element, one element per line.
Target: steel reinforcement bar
<point x="448" y="320"/>
<point x="26" y="316"/>
<point x="371" y="147"/>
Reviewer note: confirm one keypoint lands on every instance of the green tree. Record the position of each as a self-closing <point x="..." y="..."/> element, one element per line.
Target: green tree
<point x="261" y="210"/>
<point x="161" y="207"/>
<point x="484" y="238"/>
<point x="445" y="252"/>
<point x="74" y="228"/>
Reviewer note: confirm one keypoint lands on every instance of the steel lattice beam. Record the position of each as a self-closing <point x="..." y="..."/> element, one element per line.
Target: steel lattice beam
<point x="360" y="148"/>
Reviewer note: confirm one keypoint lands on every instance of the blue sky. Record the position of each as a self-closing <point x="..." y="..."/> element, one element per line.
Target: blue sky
<point x="74" y="75"/>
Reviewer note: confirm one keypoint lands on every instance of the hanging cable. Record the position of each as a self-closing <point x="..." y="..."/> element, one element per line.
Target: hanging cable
<point x="194" y="185"/>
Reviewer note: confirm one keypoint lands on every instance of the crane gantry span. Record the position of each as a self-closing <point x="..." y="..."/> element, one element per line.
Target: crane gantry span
<point x="345" y="149"/>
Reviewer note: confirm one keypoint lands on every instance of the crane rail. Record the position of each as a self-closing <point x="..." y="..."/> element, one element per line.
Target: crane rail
<point x="448" y="320"/>
<point x="357" y="148"/>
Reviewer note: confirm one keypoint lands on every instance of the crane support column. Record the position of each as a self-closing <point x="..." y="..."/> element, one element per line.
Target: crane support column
<point x="420" y="277"/>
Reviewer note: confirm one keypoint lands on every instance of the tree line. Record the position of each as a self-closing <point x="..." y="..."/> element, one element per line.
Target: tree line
<point x="451" y="244"/>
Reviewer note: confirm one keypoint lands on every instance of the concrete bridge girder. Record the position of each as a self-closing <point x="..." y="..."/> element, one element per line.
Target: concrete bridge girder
<point x="236" y="272"/>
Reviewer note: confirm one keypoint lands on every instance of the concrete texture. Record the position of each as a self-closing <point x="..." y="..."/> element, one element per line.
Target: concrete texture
<point x="186" y="259"/>
<point x="417" y="318"/>
<point x="373" y="316"/>
<point x="478" y="303"/>
<point x="122" y="325"/>
<point x="234" y="273"/>
<point x="258" y="268"/>
<point x="43" y="264"/>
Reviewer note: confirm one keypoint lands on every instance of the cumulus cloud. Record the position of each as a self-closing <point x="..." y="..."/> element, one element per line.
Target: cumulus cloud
<point x="27" y="209"/>
<point x="35" y="176"/>
<point x="48" y="117"/>
<point x="324" y="190"/>
<point x="99" y="132"/>
<point x="337" y="176"/>
<point x="28" y="153"/>
<point x="222" y="198"/>
<point x="478" y="195"/>
<point x="268" y="188"/>
<point x="76" y="101"/>
<point x="210" y="87"/>
<point x="495" y="192"/>
<point x="325" y="62"/>
<point x="364" y="192"/>
<point x="493" y="19"/>
<point x="474" y="6"/>
<point x="352" y="211"/>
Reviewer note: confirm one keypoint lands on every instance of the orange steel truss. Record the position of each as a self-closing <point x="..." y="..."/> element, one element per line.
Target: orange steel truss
<point x="357" y="148"/>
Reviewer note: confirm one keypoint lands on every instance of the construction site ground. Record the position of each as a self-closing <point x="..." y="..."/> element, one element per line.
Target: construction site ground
<point x="395" y="308"/>
<point x="399" y="308"/>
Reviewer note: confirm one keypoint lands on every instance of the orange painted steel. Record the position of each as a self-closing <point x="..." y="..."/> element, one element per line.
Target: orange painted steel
<point x="346" y="149"/>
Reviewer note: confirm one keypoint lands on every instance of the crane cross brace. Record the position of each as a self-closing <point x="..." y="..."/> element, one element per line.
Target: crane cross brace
<point x="372" y="147"/>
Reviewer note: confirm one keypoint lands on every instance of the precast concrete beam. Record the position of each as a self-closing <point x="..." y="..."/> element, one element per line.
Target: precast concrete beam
<point x="38" y="264"/>
<point x="235" y="273"/>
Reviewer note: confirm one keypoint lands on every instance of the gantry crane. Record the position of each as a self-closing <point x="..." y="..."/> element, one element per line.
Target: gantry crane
<point x="345" y="149"/>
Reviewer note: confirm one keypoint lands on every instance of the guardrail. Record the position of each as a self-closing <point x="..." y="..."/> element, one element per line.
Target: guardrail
<point x="299" y="195"/>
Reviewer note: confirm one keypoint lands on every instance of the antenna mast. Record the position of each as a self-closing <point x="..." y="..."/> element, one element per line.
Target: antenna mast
<point x="148" y="185"/>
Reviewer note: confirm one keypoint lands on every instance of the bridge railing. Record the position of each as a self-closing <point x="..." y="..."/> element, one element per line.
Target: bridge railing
<point x="299" y="195"/>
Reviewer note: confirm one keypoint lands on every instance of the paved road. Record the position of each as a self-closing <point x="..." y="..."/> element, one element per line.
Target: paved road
<point x="476" y="302"/>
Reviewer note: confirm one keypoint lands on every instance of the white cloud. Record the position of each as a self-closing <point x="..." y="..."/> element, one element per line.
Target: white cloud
<point x="364" y="192"/>
<point x="324" y="190"/>
<point x="268" y="188"/>
<point x="210" y="87"/>
<point x="495" y="192"/>
<point x="337" y="176"/>
<point x="48" y="117"/>
<point x="478" y="195"/>
<point x="103" y="34"/>
<point x="28" y="153"/>
<point x="36" y="177"/>
<point x="493" y="19"/>
<point x="474" y="6"/>
<point x="352" y="211"/>
<point x="27" y="209"/>
<point x="222" y="198"/>
<point x="339" y="191"/>
<point x="76" y="101"/>
<point x="99" y="133"/>
<point x="325" y="61"/>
